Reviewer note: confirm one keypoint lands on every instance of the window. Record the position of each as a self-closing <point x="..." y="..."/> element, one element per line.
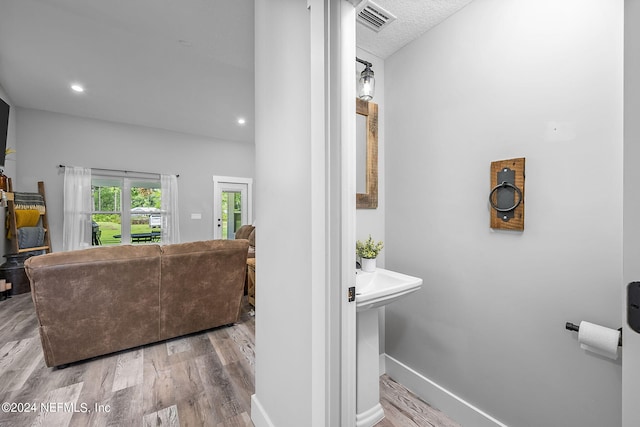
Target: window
<point x="125" y="210"/>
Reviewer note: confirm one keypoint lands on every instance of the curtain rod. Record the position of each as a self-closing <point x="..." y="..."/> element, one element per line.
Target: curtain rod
<point x="119" y="170"/>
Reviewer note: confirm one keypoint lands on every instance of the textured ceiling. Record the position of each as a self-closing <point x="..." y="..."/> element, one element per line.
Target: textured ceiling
<point x="414" y="17"/>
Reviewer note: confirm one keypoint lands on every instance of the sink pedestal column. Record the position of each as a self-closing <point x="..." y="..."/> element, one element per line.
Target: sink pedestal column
<point x="368" y="409"/>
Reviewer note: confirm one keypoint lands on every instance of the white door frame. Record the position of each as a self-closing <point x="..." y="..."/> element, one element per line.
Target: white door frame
<point x="219" y="184"/>
<point x="333" y="135"/>
<point x="346" y="70"/>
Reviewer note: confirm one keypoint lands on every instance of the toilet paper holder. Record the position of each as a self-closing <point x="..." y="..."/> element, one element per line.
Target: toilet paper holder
<point x="571" y="327"/>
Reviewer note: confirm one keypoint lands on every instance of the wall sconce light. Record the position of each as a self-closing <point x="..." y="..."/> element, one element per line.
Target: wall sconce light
<point x="367" y="83"/>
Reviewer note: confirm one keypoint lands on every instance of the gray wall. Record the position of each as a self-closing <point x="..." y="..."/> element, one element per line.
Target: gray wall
<point x="48" y="139"/>
<point x="371" y="221"/>
<point x="504" y="79"/>
<point x="631" y="348"/>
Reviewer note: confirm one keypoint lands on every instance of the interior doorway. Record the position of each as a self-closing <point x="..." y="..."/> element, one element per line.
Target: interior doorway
<point x="232" y="205"/>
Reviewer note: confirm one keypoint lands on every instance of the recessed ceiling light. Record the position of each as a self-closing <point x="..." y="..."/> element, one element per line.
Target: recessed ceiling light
<point x="241" y="121"/>
<point x="77" y="88"/>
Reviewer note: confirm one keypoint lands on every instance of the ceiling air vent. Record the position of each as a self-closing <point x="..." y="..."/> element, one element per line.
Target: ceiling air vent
<point x="374" y="17"/>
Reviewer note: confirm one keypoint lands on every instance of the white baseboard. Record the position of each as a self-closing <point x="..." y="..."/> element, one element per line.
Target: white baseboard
<point x="437" y="396"/>
<point x="258" y="414"/>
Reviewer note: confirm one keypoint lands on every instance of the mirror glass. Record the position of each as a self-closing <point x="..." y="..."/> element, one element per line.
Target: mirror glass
<point x="361" y="153"/>
<point x="366" y="154"/>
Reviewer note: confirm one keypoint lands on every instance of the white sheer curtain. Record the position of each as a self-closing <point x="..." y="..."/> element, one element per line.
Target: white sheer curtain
<point x="76" y="229"/>
<point x="169" y="208"/>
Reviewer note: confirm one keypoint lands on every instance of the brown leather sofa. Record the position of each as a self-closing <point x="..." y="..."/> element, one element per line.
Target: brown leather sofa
<point x="97" y="301"/>
<point x="248" y="232"/>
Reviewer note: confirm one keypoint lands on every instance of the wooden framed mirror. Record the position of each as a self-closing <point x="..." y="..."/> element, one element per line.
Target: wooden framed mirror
<point x="366" y="154"/>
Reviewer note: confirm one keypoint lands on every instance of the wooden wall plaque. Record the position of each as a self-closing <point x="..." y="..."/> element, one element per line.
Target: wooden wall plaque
<point x="513" y="219"/>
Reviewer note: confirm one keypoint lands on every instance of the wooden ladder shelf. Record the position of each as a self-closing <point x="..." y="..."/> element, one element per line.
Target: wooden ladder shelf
<point x="13" y="226"/>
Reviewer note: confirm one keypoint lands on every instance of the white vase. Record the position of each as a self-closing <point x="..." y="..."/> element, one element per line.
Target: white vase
<point x="368" y="264"/>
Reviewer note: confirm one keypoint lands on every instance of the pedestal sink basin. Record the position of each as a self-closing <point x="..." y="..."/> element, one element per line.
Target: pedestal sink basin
<point x="381" y="287"/>
<point x="374" y="289"/>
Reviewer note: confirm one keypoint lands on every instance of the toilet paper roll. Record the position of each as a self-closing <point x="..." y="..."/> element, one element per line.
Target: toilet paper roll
<point x="598" y="339"/>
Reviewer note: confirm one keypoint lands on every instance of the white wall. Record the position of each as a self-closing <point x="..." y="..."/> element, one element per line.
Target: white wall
<point x="504" y="79"/>
<point x="283" y="374"/>
<point x="305" y="144"/>
<point x="9" y="164"/>
<point x="47" y="140"/>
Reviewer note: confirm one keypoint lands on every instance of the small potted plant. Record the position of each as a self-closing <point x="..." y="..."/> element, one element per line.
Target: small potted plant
<point x="368" y="252"/>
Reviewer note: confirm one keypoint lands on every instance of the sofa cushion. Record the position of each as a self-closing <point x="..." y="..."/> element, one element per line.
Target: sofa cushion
<point x="201" y="285"/>
<point x="117" y="287"/>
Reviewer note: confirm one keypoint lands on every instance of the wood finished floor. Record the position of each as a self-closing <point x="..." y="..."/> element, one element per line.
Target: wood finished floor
<point x="204" y="379"/>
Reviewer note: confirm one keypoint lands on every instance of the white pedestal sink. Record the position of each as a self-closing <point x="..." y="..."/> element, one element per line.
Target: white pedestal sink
<point x="374" y="290"/>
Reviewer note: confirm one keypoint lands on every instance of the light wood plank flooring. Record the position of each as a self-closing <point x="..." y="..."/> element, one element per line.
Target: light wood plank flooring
<point x="204" y="379"/>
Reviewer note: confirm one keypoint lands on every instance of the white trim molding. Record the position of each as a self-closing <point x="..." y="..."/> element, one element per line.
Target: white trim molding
<point x="258" y="414"/>
<point x="437" y="396"/>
